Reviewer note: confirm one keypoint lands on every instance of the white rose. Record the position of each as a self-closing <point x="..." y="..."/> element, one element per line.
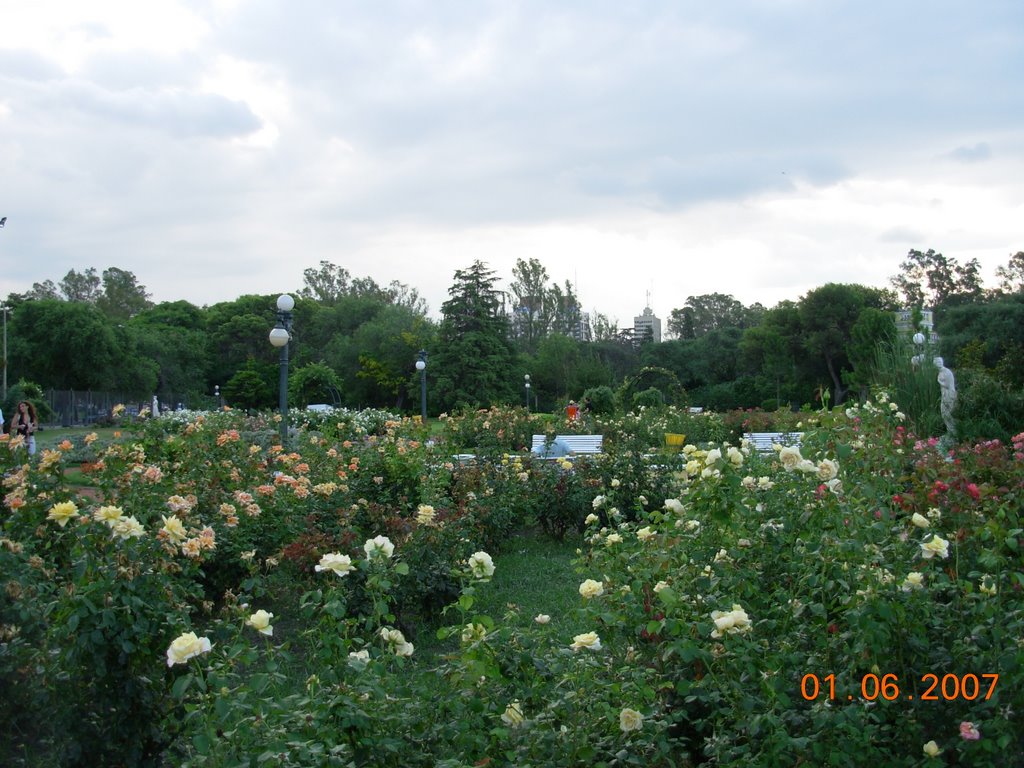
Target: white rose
<point x="630" y="720"/>
<point x="260" y="621"/>
<point x="827" y="470"/>
<point x="936" y="546"/>
<point x="335" y="562"/>
<point x="379" y="545"/>
<point x="731" y="622"/>
<point x="481" y="565"/>
<point x="790" y="457"/>
<point x="185" y="647"/>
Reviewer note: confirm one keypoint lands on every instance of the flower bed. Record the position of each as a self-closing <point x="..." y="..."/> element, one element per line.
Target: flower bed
<point x="734" y="608"/>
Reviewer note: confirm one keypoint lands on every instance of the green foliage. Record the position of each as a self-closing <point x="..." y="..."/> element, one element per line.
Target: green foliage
<point x="312" y="383"/>
<point x="248" y="388"/>
<point x="649" y="398"/>
<point x="474" y="359"/>
<point x="601" y="399"/>
<point x="31" y="392"/>
<point x="914" y="386"/>
<point x="714" y="581"/>
<point x="63" y="345"/>
<point x="987" y="407"/>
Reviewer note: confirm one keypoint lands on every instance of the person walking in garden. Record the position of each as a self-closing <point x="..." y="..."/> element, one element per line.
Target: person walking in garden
<point x="24" y="423"/>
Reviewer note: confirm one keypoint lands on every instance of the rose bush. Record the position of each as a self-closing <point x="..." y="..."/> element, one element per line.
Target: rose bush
<point x="714" y="581"/>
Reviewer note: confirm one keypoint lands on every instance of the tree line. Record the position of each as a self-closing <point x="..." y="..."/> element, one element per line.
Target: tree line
<point x="355" y="342"/>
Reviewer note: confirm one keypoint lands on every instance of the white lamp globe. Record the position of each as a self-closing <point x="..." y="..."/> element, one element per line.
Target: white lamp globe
<point x="279" y="337"/>
<point x="285" y="303"/>
<point x="919" y="338"/>
<point x="420" y="365"/>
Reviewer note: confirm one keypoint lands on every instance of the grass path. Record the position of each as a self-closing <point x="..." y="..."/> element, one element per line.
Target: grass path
<point x="533" y="575"/>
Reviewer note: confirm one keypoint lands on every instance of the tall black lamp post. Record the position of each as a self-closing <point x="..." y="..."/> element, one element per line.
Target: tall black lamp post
<point x="279" y="337"/>
<point x="5" y="309"/>
<point x="526" y="385"/>
<point x="421" y="366"/>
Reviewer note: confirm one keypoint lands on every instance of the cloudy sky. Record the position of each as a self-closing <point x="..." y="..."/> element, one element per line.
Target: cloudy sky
<point x="752" y="147"/>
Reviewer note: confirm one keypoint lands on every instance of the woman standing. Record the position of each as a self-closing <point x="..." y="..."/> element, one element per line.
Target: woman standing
<point x="24" y="423"/>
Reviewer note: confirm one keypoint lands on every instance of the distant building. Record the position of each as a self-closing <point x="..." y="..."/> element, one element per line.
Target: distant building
<point x="905" y="324"/>
<point x="647" y="326"/>
<point x="582" y="330"/>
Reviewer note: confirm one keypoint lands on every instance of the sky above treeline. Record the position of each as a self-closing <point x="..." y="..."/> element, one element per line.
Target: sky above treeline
<point x="757" y="148"/>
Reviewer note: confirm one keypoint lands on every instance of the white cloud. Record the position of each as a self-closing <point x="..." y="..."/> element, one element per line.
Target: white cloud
<point x="759" y="149"/>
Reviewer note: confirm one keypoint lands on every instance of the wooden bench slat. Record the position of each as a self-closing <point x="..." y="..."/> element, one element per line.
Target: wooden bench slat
<point x="763" y="441"/>
<point x="575" y="443"/>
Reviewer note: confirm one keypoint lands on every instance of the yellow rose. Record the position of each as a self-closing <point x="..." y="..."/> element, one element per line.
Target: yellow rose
<point x="591" y="588"/>
<point x="61" y="513"/>
<point x="513" y="715"/>
<point x="588" y="640"/>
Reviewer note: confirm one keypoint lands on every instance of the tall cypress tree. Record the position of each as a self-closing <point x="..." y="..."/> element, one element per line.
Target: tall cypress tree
<point x="474" y="359"/>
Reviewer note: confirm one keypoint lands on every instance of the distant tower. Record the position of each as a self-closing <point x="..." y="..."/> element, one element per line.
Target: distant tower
<point x="647" y="324"/>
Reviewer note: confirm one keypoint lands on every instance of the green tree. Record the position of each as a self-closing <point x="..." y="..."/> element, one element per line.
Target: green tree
<point x="538" y="308"/>
<point x="326" y="283"/>
<point x="707" y="312"/>
<point x="43" y="290"/>
<point x="249" y="387"/>
<point x="827" y="317"/>
<point x="929" y="279"/>
<point x="1011" y="275"/>
<point x="173" y="335"/>
<point x="81" y="286"/>
<point x="122" y="295"/>
<point x="473" y="363"/>
<point x="63" y="345"/>
<point x="312" y="383"/>
<point x="555" y="371"/>
<point x="874" y="327"/>
<point x="531" y="312"/>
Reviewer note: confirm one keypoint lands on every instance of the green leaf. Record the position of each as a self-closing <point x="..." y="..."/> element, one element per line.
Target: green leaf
<point x="181" y="686"/>
<point x="402" y="569"/>
<point x="202" y="743"/>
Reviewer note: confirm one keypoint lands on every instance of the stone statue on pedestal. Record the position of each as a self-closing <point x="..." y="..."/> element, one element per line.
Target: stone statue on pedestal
<point x="947" y="383"/>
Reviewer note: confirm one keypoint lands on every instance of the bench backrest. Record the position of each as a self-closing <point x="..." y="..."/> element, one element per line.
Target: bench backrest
<point x="576" y="443"/>
<point x="762" y="441"/>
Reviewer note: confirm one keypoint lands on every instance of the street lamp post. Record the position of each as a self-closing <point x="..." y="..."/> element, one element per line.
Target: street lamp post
<point x="216" y="395"/>
<point x="279" y="337"/>
<point x="917" y="359"/>
<point x="421" y="366"/>
<point x="5" y="309"/>
<point x="526" y="386"/>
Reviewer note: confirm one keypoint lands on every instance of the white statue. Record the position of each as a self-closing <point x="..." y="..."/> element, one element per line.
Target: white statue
<point x="948" y="386"/>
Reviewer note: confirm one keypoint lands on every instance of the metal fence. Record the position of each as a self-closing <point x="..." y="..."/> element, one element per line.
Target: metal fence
<point x="72" y="408"/>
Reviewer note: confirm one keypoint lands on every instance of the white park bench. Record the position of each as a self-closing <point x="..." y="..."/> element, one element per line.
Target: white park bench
<point x="577" y="444"/>
<point x="763" y="441"/>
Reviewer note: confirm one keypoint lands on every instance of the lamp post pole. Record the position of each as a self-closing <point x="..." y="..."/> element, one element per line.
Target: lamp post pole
<point x="917" y="359"/>
<point x="216" y="394"/>
<point x="526" y="386"/>
<point x="421" y="366"/>
<point x="5" y="309"/>
<point x="279" y="337"/>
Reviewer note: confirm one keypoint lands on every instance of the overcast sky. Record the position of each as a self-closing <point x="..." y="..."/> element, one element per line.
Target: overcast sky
<point x="752" y="147"/>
